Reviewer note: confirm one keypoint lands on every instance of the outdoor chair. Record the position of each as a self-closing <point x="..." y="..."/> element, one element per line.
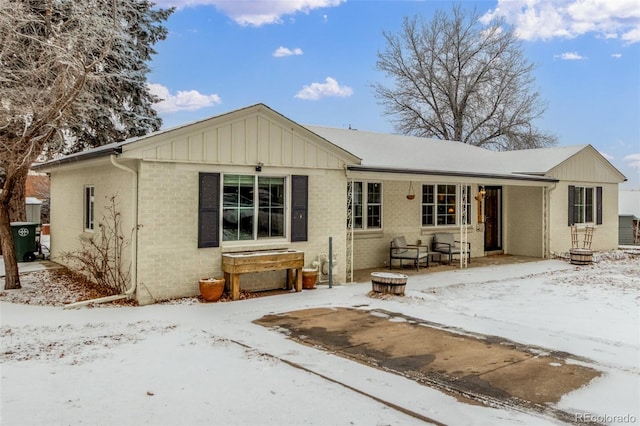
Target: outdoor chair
<point x="445" y="244"/>
<point x="400" y="250"/>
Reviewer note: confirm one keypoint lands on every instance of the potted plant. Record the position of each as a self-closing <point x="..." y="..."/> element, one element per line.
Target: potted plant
<point x="211" y="289"/>
<point x="309" y="277"/>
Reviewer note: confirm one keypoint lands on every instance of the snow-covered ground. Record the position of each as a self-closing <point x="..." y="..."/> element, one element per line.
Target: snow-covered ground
<point x="192" y="363"/>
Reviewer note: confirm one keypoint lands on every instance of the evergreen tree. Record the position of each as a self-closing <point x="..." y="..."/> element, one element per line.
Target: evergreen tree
<point x="72" y="76"/>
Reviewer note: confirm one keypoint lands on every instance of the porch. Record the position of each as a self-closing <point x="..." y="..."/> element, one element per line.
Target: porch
<point x="364" y="275"/>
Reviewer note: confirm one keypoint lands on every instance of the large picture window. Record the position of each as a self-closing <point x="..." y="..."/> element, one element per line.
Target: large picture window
<point x="440" y="205"/>
<point x="252" y="207"/>
<point x="89" y="192"/>
<point x="366" y="206"/>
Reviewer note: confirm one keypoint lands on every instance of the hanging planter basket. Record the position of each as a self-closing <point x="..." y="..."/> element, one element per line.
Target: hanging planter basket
<point x="411" y="195"/>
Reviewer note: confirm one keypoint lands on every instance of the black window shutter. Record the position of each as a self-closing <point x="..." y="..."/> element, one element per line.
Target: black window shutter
<point x="209" y="210"/>
<point x="572" y="202"/>
<point x="299" y="207"/>
<point x="598" y="205"/>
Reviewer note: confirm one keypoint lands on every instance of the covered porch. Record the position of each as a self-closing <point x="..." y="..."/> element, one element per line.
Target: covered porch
<point x="500" y="219"/>
<point x="364" y="275"/>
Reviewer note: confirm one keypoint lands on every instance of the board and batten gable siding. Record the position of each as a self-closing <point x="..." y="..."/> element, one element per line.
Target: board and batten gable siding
<point x="170" y="261"/>
<point x="588" y="165"/>
<point x="243" y="140"/>
<point x="587" y="168"/>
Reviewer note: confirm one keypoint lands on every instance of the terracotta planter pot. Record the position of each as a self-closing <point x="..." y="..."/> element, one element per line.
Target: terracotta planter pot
<point x="211" y="289"/>
<point x="309" y="277"/>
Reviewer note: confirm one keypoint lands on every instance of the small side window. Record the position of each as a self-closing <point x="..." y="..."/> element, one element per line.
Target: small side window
<point x="89" y="192"/>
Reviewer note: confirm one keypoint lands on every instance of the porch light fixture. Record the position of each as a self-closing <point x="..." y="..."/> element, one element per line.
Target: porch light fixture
<point x="259" y="166"/>
<point x="481" y="193"/>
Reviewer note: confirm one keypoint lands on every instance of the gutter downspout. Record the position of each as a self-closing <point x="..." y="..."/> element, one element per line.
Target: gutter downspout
<point x="134" y="245"/>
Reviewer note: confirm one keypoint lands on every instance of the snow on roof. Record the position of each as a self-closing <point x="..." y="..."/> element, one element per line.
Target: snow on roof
<point x="539" y="160"/>
<point x="399" y="153"/>
<point x="381" y="150"/>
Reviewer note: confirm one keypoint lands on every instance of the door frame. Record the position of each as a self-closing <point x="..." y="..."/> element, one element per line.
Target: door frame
<point x="493" y="223"/>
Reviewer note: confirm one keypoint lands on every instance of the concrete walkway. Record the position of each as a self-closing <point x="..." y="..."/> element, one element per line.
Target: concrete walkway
<point x="36" y="265"/>
<point x="26" y="267"/>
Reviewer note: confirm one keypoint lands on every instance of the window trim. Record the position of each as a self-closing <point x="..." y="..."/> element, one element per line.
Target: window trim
<point x="88" y="209"/>
<point x="458" y="215"/>
<point x="256" y="208"/>
<point x="596" y="205"/>
<point x="365" y="205"/>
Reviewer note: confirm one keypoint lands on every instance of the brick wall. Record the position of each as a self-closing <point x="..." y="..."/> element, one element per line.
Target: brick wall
<point x="402" y="217"/>
<point x="170" y="263"/>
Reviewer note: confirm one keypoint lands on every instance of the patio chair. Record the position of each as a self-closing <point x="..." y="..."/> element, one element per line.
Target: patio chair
<point x="400" y="250"/>
<point x="445" y="244"/>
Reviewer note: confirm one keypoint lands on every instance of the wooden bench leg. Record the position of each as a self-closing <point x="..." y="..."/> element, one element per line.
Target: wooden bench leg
<point x="289" y="279"/>
<point x="227" y="281"/>
<point x="299" y="279"/>
<point x="235" y="286"/>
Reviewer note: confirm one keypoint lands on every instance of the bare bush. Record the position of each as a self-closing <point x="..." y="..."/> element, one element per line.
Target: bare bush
<point x="101" y="255"/>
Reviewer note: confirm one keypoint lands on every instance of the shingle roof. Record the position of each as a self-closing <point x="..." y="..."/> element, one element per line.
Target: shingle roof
<point x="388" y="151"/>
<point x="537" y="161"/>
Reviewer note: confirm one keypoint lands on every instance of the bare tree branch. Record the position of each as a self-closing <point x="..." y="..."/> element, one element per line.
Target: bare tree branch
<point x="455" y="79"/>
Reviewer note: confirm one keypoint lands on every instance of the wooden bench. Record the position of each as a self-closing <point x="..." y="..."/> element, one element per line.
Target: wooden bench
<point x="234" y="264"/>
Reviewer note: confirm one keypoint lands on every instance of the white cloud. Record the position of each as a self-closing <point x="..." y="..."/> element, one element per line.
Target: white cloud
<point x="570" y="56"/>
<point x="330" y="88"/>
<point x="255" y="12"/>
<point x="617" y="55"/>
<point x="537" y="19"/>
<point x="285" y="51"/>
<point x="183" y="100"/>
<point x="633" y="160"/>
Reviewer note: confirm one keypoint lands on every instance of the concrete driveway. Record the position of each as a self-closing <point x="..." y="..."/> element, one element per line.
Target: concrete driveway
<point x="472" y="367"/>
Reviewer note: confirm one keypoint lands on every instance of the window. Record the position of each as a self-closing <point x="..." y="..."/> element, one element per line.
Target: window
<point x="242" y="209"/>
<point x="585" y="205"/>
<point x="440" y="205"/>
<point x="88" y="207"/>
<point x="366" y="206"/>
<point x="252" y="207"/>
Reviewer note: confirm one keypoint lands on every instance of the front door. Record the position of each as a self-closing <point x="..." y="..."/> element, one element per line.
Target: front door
<point x="493" y="218"/>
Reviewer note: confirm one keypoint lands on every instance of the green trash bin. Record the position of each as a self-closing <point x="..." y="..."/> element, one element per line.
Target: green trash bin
<point x="24" y="240"/>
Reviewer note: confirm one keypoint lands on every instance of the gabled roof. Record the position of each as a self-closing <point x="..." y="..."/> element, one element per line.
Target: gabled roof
<point x="129" y="146"/>
<point x="538" y="161"/>
<point x="388" y="152"/>
<point x="382" y="152"/>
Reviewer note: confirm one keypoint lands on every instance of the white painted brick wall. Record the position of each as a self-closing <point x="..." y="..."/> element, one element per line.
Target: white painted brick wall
<point x="170" y="264"/>
<point x="402" y="217"/>
<point x="67" y="205"/>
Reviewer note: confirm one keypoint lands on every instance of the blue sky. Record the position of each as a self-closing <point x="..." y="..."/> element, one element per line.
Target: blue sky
<point x="315" y="60"/>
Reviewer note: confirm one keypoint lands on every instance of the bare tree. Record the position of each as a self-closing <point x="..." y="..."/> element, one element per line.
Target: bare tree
<point x="456" y="79"/>
<point x="56" y="66"/>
